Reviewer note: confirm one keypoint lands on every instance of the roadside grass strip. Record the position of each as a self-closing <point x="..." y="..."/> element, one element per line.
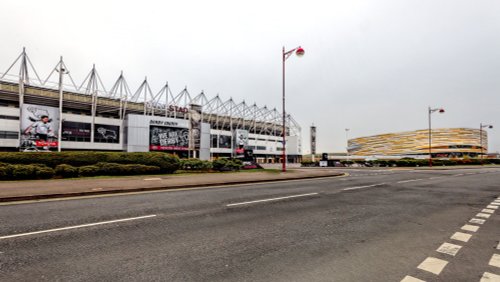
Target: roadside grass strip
<point x="433" y="265"/>
<point x="449" y="249"/>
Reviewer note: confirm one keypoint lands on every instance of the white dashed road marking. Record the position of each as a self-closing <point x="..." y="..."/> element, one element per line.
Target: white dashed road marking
<point x="272" y="199"/>
<point x="76" y="226"/>
<point x="152" y="179"/>
<point x="495" y="204"/>
<point x="469" y="227"/>
<point x="411" y="279"/>
<point x="477" y="220"/>
<point x="433" y="265"/>
<point x="488" y="210"/>
<point x="411" y="180"/>
<point x="483" y="215"/>
<point x="492" y="207"/>
<point x="361" y="187"/>
<point x="459" y="236"/>
<point x="495" y="260"/>
<point x="449" y="249"/>
<point x="490" y="277"/>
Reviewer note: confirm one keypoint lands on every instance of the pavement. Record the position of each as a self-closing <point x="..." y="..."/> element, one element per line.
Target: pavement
<point x="57" y="188"/>
<point x="373" y="225"/>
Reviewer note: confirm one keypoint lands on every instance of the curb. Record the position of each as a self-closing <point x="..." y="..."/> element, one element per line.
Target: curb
<point x="132" y="190"/>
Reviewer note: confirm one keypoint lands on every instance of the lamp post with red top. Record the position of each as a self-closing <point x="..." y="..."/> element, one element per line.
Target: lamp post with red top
<point x="299" y="51"/>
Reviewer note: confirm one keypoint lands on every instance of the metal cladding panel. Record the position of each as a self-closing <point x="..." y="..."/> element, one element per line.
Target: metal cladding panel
<point x="417" y="142"/>
<point x="205" y="142"/>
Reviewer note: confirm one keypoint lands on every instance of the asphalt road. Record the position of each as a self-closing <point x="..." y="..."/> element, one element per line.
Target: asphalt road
<point x="374" y="225"/>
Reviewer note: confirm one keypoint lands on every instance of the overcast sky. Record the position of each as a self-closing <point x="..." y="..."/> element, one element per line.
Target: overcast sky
<point x="371" y="66"/>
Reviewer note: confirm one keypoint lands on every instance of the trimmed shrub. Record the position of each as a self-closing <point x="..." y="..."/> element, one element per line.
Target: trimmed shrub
<point x="166" y="162"/>
<point x="195" y="164"/>
<point x="23" y="172"/>
<point x="127" y="169"/>
<point x="66" y="171"/>
<point x="44" y="172"/>
<point x="227" y="164"/>
<point x="88" y="170"/>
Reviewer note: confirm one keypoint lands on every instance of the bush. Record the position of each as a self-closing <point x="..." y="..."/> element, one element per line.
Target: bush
<point x="88" y="170"/>
<point x="66" y="171"/>
<point x="23" y="172"/>
<point x="127" y="169"/>
<point x="44" y="172"/>
<point x="166" y="162"/>
<point x="195" y="164"/>
<point x="309" y="163"/>
<point x="226" y="164"/>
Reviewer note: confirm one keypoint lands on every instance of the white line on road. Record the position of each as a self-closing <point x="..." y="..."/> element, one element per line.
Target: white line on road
<point x="492" y="207"/>
<point x="483" y="215"/>
<point x="272" y="199"/>
<point x="409" y="278"/>
<point x="411" y="180"/>
<point x="469" y="227"/>
<point x="488" y="211"/>
<point x="460" y="174"/>
<point x="152" y="179"/>
<point x="477" y="220"/>
<point x="459" y="236"/>
<point x="495" y="260"/>
<point x="433" y="265"/>
<point x="449" y="249"/>
<point x="75" y="226"/>
<point x="361" y="187"/>
<point x="489" y="277"/>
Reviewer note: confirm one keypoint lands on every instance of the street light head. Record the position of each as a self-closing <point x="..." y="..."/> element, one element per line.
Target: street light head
<point x="441" y="111"/>
<point x="300" y="52"/>
<point x="490" y="127"/>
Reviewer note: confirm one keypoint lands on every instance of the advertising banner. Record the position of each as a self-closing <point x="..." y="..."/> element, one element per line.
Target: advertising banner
<point x="76" y="131"/>
<point x="168" y="138"/>
<point x="104" y="133"/>
<point x="195" y="124"/>
<point x="313" y="140"/>
<point x="225" y="141"/>
<point x="241" y="141"/>
<point x="39" y="127"/>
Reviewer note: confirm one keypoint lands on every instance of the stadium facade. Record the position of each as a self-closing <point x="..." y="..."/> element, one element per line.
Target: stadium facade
<point x="33" y="113"/>
<point x="446" y="143"/>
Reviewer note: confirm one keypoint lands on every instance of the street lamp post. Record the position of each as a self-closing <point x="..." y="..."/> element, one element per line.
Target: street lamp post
<point x="299" y="52"/>
<point x="62" y="71"/>
<point x="431" y="111"/>
<point x="481" y="126"/>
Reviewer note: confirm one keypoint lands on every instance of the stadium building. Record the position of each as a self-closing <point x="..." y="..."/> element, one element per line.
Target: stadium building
<point x="33" y="114"/>
<point x="446" y="143"/>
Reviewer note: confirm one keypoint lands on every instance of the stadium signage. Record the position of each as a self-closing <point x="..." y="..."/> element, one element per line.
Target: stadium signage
<point x="178" y="109"/>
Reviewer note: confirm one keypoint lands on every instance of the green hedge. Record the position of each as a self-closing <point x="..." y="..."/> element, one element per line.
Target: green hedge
<point x="224" y="164"/>
<point x="166" y="162"/>
<point x="195" y="164"/>
<point x="24" y="172"/>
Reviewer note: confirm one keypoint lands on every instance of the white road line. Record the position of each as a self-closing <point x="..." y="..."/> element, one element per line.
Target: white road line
<point x="449" y="249"/>
<point x="152" y="179"/>
<point x="495" y="204"/>
<point x="460" y="174"/>
<point x="492" y="207"/>
<point x="483" y="215"/>
<point x="459" y="236"/>
<point x="272" y="199"/>
<point x="498" y="246"/>
<point x="477" y="221"/>
<point x="436" y="177"/>
<point x="411" y="180"/>
<point x="433" y="265"/>
<point x="495" y="260"/>
<point x="469" y="227"/>
<point x="490" y="277"/>
<point x="76" y="226"/>
<point x="361" y="187"/>
<point x="488" y="211"/>
<point x="409" y="278"/>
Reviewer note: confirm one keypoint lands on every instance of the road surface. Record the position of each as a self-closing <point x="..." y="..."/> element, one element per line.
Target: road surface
<point x="374" y="225"/>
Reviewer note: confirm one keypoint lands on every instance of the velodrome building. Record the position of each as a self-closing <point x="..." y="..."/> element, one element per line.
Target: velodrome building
<point x="446" y="143"/>
<point x="91" y="116"/>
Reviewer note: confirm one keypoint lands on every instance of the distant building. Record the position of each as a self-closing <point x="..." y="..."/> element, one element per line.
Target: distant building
<point x="446" y="143"/>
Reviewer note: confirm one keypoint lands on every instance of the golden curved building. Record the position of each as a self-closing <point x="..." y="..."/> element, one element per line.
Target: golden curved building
<point x="446" y="142"/>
